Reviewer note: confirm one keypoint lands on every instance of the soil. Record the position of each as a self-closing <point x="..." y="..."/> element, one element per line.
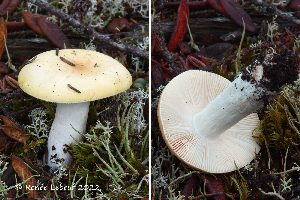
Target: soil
<point x="280" y="70"/>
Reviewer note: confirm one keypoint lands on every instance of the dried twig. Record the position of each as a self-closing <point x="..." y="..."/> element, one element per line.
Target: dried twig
<point x="87" y="30"/>
<point x="283" y="15"/>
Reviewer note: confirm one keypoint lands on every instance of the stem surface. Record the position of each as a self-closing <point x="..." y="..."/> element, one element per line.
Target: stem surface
<point x="66" y="116"/>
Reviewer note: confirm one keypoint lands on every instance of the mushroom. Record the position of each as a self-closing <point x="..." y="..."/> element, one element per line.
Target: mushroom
<point x="206" y="121"/>
<point x="72" y="78"/>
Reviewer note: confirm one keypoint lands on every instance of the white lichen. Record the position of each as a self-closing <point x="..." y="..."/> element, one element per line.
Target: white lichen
<point x="279" y="2"/>
<point x="3" y="167"/>
<point x="136" y="60"/>
<point x="139" y="96"/>
<point x="154" y="102"/>
<point x="65" y="4"/>
<point x="111" y="8"/>
<point x="60" y="172"/>
<point x="91" y="18"/>
<point x="140" y="6"/>
<point x="272" y="29"/>
<point x="105" y="133"/>
<point x="249" y="168"/>
<point x="154" y="15"/>
<point x="39" y="124"/>
<point x="90" y="46"/>
<point x="52" y="19"/>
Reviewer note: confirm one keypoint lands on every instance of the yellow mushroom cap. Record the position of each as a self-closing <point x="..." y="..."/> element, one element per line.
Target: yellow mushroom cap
<point x="94" y="75"/>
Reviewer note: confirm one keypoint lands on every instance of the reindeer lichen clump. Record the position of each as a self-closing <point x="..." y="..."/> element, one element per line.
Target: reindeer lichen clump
<point x="117" y="153"/>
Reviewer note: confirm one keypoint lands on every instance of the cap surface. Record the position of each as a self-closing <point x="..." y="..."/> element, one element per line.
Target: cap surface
<point x="93" y="77"/>
<point x="181" y="99"/>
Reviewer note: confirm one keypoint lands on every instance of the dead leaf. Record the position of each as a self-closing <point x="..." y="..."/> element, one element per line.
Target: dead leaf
<point x="4" y="4"/>
<point x="208" y="39"/>
<point x="11" y="194"/>
<point x="120" y="23"/>
<point x="214" y="184"/>
<point x="166" y="74"/>
<point x="216" y="51"/>
<point x="31" y="21"/>
<point x="15" y="133"/>
<point x="180" y="27"/>
<point x="7" y="121"/>
<point x="191" y="186"/>
<point x="12" y="131"/>
<point x="185" y="48"/>
<point x="216" y="5"/>
<point x="237" y="14"/>
<point x="9" y="6"/>
<point x="3" y="139"/>
<point x="3" y="33"/>
<point x="195" y="5"/>
<point x="295" y="5"/>
<point x="17" y="26"/>
<point x="53" y="34"/>
<point x="23" y="171"/>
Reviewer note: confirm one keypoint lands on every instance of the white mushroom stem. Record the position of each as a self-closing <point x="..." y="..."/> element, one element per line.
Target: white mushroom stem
<point x="238" y="100"/>
<point x="62" y="132"/>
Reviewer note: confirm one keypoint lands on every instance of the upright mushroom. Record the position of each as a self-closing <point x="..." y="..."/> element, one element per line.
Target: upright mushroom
<point x="207" y="122"/>
<point x="72" y="78"/>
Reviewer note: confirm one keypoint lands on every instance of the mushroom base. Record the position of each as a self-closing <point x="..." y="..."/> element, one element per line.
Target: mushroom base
<point x="69" y="120"/>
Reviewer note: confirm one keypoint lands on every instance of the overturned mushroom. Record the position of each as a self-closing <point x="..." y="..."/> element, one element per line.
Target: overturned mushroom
<point x="72" y="78"/>
<point x="207" y="122"/>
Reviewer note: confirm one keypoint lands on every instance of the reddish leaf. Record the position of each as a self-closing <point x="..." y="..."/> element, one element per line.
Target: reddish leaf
<point x="8" y="7"/>
<point x="208" y="39"/>
<point x="214" y="184"/>
<point x="52" y="33"/>
<point x="237" y="14"/>
<point x="180" y="27"/>
<point x="294" y="5"/>
<point x="4" y="4"/>
<point x="23" y="172"/>
<point x="156" y="45"/>
<point x="15" y="133"/>
<point x="152" y="43"/>
<point x="185" y="48"/>
<point x="195" y="5"/>
<point x="99" y="30"/>
<point x="282" y="8"/>
<point x="7" y="121"/>
<point x="3" y="33"/>
<point x="120" y="23"/>
<point x="216" y="51"/>
<point x="3" y="139"/>
<point x="166" y="73"/>
<point x="31" y="21"/>
<point x="156" y="75"/>
<point x="216" y="5"/>
<point x="11" y="194"/>
<point x="191" y="186"/>
<point x="16" y="26"/>
<point x="12" y="131"/>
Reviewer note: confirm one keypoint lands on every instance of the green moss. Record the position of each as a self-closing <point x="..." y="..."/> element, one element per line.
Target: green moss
<point x="280" y="123"/>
